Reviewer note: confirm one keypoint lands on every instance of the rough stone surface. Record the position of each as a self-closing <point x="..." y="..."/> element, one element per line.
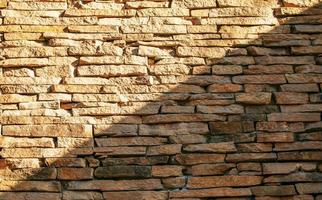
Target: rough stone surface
<point x="160" y="99"/>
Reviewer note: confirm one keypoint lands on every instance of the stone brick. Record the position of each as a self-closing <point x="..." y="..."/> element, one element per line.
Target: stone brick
<point x="116" y="185"/>
<point x="291" y="98"/>
<point x="173" y="129"/>
<point x="68" y="130"/>
<point x="110" y="70"/>
<point x="287" y="168"/>
<point x="254" y="98"/>
<point x="259" y="79"/>
<point x="294" y="117"/>
<point x="286" y="190"/>
<point x="309" y="188"/>
<point x="201" y="52"/>
<point x="192" y="159"/>
<point x="166" y="171"/>
<point x="224" y="88"/>
<point x="211" y="147"/>
<point x="223" y="181"/>
<point x="251" y="157"/>
<point x="168" y="149"/>
<point x="303" y="156"/>
<point x="39" y="186"/>
<point x="71" y="195"/>
<point x="275" y="137"/>
<point x="211" y="169"/>
<point x="123" y="171"/>
<point x="214" y="192"/>
<point x="16" y="98"/>
<point x="74" y="173"/>
<point x="136" y="195"/>
<point x="231" y="109"/>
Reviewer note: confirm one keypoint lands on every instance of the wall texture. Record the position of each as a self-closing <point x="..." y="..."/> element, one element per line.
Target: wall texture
<point x="156" y="100"/>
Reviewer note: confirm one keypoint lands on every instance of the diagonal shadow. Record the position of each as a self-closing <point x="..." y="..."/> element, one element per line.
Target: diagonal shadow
<point x="199" y="124"/>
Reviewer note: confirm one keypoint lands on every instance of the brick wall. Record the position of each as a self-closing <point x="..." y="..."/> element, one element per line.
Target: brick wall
<point x="164" y="99"/>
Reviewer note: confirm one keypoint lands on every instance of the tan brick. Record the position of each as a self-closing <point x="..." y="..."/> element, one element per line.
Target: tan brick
<point x="72" y="130"/>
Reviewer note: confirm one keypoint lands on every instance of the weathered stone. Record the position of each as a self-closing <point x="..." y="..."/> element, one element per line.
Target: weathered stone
<point x="111" y="70"/>
<point x="71" y="195"/>
<point x="273" y="190"/>
<point x="287" y="168"/>
<point x="108" y="185"/>
<point x="74" y="173"/>
<point x="44" y="186"/>
<point x="136" y="195"/>
<point x="214" y="192"/>
<point x="254" y="98"/>
<point x="201" y="52"/>
<point x="223" y="181"/>
<point x="192" y="159"/>
<point x="211" y="147"/>
<point x="123" y="171"/>
<point x="211" y="169"/>
<point x="71" y="130"/>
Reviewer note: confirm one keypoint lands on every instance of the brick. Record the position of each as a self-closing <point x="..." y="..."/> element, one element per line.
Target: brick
<point x="286" y="190"/>
<point x="123" y="172"/>
<point x="173" y="69"/>
<point x="249" y="167"/>
<point x="110" y="70"/>
<point x="71" y="130"/>
<point x="300" y="88"/>
<point x="280" y="126"/>
<point x="192" y="159"/>
<point x="223" y="181"/>
<point x="99" y="13"/>
<point x="26" y="142"/>
<point x="231" y="127"/>
<point x="290" y="98"/>
<point x="136" y="195"/>
<point x="275" y="137"/>
<point x="254" y="98"/>
<point x="153" y="160"/>
<point x="309" y="188"/>
<point x="74" y="173"/>
<point x="166" y="171"/>
<point x="211" y="147"/>
<point x="71" y="195"/>
<point x="303" y="156"/>
<point x="224" y="88"/>
<point x="33" y="195"/>
<point x="294" y="117"/>
<point x="40" y="186"/>
<point x="231" y="109"/>
<point x="302" y="108"/>
<point x="201" y="52"/>
<point x="173" y="129"/>
<point x="286" y="168"/>
<point x="214" y="192"/>
<point x="182" y="118"/>
<point x="16" y="98"/>
<point x="310" y="145"/>
<point x="211" y="169"/>
<point x="251" y="157"/>
<point x="227" y="69"/>
<point x="254" y="147"/>
<point x="116" y="185"/>
<point x="23" y="174"/>
<point x="259" y="79"/>
<point x="130" y="141"/>
<point x="168" y="149"/>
